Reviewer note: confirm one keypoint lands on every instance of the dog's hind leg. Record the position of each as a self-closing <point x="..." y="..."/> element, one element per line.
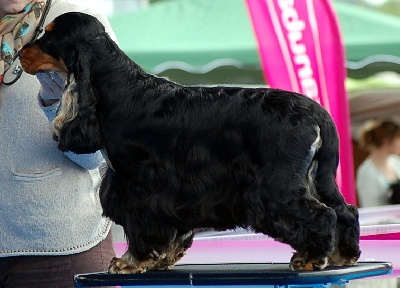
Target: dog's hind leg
<point x="292" y="213"/>
<point x="293" y="216"/>
<point x="347" y="249"/>
<point x="301" y="260"/>
<point x="312" y="235"/>
<point x="307" y="225"/>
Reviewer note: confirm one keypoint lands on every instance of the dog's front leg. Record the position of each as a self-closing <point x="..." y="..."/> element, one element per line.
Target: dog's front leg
<point x="173" y="251"/>
<point x="176" y="250"/>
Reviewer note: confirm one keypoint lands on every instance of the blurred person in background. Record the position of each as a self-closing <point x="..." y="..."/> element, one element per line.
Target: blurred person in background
<point x="381" y="168"/>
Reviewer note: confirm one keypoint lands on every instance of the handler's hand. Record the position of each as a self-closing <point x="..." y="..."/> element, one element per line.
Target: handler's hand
<point x="52" y="87"/>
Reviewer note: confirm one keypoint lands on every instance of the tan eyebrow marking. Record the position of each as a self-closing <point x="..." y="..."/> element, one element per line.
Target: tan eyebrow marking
<point x="49" y="27"/>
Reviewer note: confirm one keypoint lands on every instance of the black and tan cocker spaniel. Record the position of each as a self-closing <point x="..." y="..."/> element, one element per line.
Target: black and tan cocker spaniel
<point x="182" y="158"/>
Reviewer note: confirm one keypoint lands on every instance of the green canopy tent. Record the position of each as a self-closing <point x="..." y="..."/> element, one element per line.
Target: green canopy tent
<point x="212" y="41"/>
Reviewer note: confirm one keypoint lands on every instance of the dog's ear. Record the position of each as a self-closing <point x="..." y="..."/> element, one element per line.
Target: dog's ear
<point x="82" y="133"/>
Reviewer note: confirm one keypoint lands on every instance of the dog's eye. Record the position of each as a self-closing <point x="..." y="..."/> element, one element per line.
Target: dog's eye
<point x="44" y="41"/>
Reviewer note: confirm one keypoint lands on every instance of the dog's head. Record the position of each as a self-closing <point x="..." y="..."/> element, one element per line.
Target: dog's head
<point x="65" y="47"/>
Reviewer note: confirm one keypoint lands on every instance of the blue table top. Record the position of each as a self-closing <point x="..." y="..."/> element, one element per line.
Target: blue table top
<point x="236" y="274"/>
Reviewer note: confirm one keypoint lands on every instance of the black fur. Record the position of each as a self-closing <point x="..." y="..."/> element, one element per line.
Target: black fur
<point x="185" y="158"/>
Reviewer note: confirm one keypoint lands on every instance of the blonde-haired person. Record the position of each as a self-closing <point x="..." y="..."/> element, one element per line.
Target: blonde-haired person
<point x="382" y="166"/>
<point x="51" y="224"/>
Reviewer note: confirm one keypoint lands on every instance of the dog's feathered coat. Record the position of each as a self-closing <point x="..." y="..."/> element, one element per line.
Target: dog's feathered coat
<point x="183" y="158"/>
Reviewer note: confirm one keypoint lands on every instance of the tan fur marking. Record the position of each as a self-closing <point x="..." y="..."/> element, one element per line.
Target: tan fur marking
<point x="68" y="108"/>
<point x="33" y="60"/>
<point x="49" y="27"/>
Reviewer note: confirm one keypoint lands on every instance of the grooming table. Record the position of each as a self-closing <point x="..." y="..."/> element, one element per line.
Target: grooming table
<point x="236" y="274"/>
<point x="259" y="261"/>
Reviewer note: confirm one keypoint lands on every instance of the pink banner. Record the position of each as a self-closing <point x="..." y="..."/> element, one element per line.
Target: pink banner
<point x="301" y="50"/>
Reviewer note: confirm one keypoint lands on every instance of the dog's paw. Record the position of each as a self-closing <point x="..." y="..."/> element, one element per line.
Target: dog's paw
<point x="170" y="259"/>
<point x="119" y="266"/>
<point x="338" y="260"/>
<point x="302" y="262"/>
<point x="129" y="265"/>
<point x="157" y="256"/>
